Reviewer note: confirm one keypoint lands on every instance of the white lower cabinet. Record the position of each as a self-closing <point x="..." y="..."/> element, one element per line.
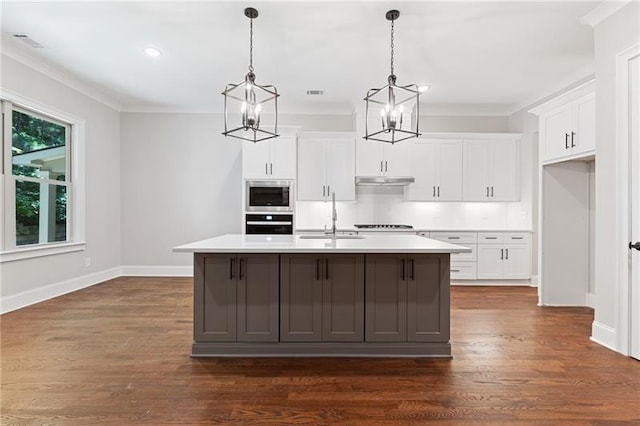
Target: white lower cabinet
<point x="493" y="256"/>
<point x="504" y="256"/>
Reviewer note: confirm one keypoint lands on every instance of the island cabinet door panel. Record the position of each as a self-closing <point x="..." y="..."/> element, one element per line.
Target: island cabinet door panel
<point x="258" y="286"/>
<point x="214" y="300"/>
<point x="428" y="298"/>
<point x="343" y="298"/>
<point x="301" y="298"/>
<point x="386" y="298"/>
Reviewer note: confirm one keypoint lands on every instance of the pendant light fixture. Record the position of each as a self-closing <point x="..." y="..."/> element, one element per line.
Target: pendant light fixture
<point x="392" y="111"/>
<point x="246" y="103"/>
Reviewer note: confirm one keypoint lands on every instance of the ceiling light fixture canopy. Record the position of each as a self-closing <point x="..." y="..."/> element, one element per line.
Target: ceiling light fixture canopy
<point x="245" y="103"/>
<point x="395" y="102"/>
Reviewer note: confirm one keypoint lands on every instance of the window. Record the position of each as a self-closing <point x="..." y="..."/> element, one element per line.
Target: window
<point x="40" y="183"/>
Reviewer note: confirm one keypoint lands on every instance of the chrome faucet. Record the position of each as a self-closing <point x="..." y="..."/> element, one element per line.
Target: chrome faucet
<point x="334" y="217"/>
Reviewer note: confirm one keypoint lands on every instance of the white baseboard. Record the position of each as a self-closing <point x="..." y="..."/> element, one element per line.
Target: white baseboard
<point x="157" y="271"/>
<point x="30" y="297"/>
<point x="534" y="281"/>
<point x="492" y="283"/>
<point x="603" y="335"/>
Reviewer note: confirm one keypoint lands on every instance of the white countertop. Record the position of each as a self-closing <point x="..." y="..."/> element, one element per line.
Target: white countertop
<point x="237" y="243"/>
<point x="414" y="230"/>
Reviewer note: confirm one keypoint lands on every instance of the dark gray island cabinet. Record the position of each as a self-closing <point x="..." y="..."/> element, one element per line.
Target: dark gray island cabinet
<point x="287" y="296"/>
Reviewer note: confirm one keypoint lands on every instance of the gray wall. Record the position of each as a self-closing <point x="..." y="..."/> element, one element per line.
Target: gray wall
<point x="480" y="124"/>
<point x="614" y="35"/>
<point x="102" y="184"/>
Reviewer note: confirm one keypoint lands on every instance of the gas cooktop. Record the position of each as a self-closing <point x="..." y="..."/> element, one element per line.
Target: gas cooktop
<point x="383" y="226"/>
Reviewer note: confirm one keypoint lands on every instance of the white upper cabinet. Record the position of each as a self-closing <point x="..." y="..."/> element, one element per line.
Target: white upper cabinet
<point x="567" y="125"/>
<point x="491" y="171"/>
<point x="383" y="159"/>
<point x="437" y="168"/>
<point x="272" y="159"/>
<point x="326" y="164"/>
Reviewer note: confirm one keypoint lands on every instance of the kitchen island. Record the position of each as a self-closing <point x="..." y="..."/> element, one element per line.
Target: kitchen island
<point x="289" y="295"/>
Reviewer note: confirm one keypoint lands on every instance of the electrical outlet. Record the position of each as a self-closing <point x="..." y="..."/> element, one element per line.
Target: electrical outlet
<point x="87" y="261"/>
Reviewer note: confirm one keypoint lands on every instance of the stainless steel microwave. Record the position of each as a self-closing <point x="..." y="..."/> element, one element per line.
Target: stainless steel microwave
<point x="269" y="196"/>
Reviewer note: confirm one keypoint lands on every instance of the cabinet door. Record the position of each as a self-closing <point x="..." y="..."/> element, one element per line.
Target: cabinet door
<point x="283" y="158"/>
<point x="557" y="133"/>
<point x="428" y="298"/>
<point x="396" y="159"/>
<point x="386" y="298"/>
<point x="340" y="169"/>
<point x="369" y="158"/>
<point x="214" y="298"/>
<point x="517" y="262"/>
<point x="505" y="182"/>
<point x="255" y="160"/>
<point x="490" y="261"/>
<point x="342" y="298"/>
<point x="424" y="167"/>
<point x="311" y="170"/>
<point x="258" y="286"/>
<point x="449" y="186"/>
<point x="584" y="126"/>
<point x="476" y="170"/>
<point x="300" y="298"/>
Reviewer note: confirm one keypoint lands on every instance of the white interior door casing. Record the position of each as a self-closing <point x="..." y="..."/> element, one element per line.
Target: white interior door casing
<point x="634" y="143"/>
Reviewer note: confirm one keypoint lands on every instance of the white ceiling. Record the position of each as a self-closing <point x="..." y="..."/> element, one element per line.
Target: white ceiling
<point x="495" y="56"/>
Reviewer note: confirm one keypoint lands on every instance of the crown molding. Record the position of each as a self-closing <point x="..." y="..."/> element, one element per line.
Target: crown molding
<point x="602" y="12"/>
<point x="61" y="76"/>
<point x="574" y="80"/>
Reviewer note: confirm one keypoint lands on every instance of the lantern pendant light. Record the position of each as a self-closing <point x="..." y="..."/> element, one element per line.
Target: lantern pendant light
<point x="245" y="103"/>
<point x="387" y="107"/>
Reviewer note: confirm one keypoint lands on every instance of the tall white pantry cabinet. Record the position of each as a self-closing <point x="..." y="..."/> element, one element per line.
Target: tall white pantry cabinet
<point x="567" y="152"/>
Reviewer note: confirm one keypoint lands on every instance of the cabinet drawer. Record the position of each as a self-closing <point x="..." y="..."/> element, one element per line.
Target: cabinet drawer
<point x="463" y="270"/>
<point x="517" y="238"/>
<point x="466" y="257"/>
<point x="461" y="238"/>
<point x="490" y="237"/>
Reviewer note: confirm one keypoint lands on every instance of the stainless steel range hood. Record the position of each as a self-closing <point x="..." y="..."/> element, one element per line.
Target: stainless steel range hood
<point x="384" y="180"/>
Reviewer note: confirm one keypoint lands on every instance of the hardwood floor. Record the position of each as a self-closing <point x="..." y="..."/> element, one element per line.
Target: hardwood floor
<point x="118" y="353"/>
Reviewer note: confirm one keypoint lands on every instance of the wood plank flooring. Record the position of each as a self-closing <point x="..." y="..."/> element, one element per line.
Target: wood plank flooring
<point x="118" y="353"/>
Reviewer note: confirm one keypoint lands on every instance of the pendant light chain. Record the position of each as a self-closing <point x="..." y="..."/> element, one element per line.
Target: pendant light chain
<point x="392" y="24"/>
<point x="251" y="45"/>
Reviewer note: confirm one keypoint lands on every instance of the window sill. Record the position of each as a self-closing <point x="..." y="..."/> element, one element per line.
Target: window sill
<point x="39" y="251"/>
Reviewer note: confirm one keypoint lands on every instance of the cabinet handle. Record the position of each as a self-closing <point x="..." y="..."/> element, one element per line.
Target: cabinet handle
<point x="270" y="168"/>
<point x="517" y="238"/>
<point x="381" y="166"/>
<point x="455" y="270"/>
<point x="326" y="268"/>
<point x="232" y="262"/>
<point x="240" y="266"/>
<point x="385" y="166"/>
<point x="266" y="168"/>
<point x="328" y="190"/>
<point x="404" y="266"/>
<point x="572" y="135"/>
<point x="413" y="269"/>
<point x="323" y="190"/>
<point x="487" y="191"/>
<point x="434" y="191"/>
<point x="438" y="191"/>
<point x="507" y="257"/>
<point x="566" y="141"/>
<point x="501" y="254"/>
<point x="453" y="238"/>
<point x="317" y="269"/>
<point x="492" y="191"/>
<point x="490" y="238"/>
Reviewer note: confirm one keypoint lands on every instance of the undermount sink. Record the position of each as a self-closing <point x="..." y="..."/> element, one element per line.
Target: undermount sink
<point x="328" y="237"/>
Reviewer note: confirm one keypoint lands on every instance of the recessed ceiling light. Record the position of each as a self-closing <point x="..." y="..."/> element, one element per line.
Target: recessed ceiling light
<point x="423" y="89"/>
<point x="152" y="51"/>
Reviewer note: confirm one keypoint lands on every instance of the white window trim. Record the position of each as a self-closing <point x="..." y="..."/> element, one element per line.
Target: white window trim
<point x="77" y="215"/>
